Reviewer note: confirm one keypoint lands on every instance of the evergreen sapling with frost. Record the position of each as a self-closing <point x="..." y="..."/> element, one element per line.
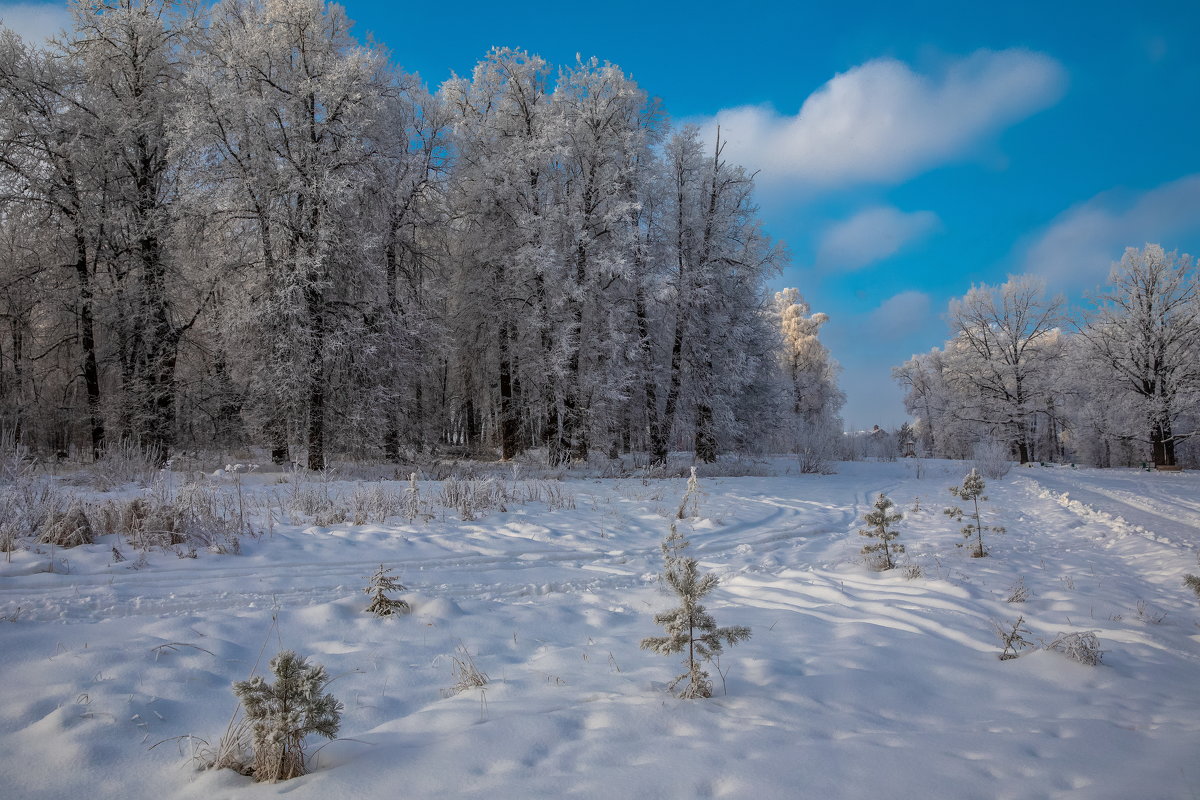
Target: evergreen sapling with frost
<point x="879" y="520"/>
<point x="689" y="628"/>
<point x="283" y="713"/>
<point x="381" y="583"/>
<point x="972" y="489"/>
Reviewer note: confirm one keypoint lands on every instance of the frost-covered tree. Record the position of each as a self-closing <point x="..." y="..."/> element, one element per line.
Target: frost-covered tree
<point x="972" y="489"/>
<point x="879" y="519"/>
<point x="1144" y="333"/>
<point x="810" y="378"/>
<point x="379" y="584"/>
<point x="1003" y="357"/>
<point x="282" y="714"/>
<point x="240" y="226"/>
<point x="689" y="628"/>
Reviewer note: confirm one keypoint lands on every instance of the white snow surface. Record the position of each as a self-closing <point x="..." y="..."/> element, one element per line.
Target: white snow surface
<point x="855" y="684"/>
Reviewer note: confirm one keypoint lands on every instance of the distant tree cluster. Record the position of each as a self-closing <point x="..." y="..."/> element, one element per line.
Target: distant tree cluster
<point x="1119" y="385"/>
<point x="237" y="225"/>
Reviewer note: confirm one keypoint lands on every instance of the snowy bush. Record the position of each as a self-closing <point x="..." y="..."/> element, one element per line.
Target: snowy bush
<point x="1193" y="583"/>
<point x="122" y="463"/>
<point x="69" y="528"/>
<point x="380" y="584"/>
<point x="881" y="552"/>
<point x="817" y="447"/>
<point x="197" y="514"/>
<point x="470" y="497"/>
<point x="972" y="489"/>
<point x="373" y="502"/>
<point x="1081" y="646"/>
<point x="15" y="461"/>
<point x="282" y="714"/>
<point x="689" y="627"/>
<point x="992" y="458"/>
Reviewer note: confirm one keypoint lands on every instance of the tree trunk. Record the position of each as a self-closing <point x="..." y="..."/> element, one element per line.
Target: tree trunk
<point x="316" y="380"/>
<point x="87" y="340"/>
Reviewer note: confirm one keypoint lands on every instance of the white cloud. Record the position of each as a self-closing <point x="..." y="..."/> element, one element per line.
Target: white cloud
<point x="900" y="314"/>
<point x="881" y="122"/>
<point x="1080" y="245"/>
<point x="871" y="235"/>
<point x="34" y="22"/>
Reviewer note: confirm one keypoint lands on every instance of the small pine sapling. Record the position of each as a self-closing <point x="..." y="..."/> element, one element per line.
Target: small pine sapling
<point x="380" y="584"/>
<point x="1012" y="637"/>
<point x="972" y="489"/>
<point x="283" y="713"/>
<point x="689" y="627"/>
<point x="879" y="520"/>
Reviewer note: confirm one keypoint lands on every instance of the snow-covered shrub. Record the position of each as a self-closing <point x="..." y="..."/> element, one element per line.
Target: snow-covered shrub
<point x="282" y="714"/>
<point x="1081" y="646"/>
<point x="379" y="585"/>
<point x="689" y="628"/>
<point x="69" y="528"/>
<point x="1011" y="635"/>
<point x="373" y="502"/>
<point x="817" y="447"/>
<point x="992" y="458"/>
<point x="15" y="461"/>
<point x="122" y="463"/>
<point x="470" y="497"/>
<point x="880" y="553"/>
<point x="972" y="489"/>
<point x="196" y="514"/>
<point x="1193" y="583"/>
<point x="310" y="499"/>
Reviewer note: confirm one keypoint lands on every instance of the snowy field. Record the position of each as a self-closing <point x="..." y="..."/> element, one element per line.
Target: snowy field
<point x="855" y="684"/>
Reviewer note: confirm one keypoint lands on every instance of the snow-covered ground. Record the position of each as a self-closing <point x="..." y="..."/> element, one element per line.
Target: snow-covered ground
<point x="855" y="683"/>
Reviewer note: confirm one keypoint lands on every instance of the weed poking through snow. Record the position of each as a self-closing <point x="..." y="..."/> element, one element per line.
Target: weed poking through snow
<point x="1012" y="636"/>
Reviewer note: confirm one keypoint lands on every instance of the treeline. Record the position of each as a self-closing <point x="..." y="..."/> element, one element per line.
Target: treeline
<point x="1114" y="383"/>
<point x="241" y="226"/>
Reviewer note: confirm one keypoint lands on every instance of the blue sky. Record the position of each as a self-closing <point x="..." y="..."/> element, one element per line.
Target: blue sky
<point x="906" y="150"/>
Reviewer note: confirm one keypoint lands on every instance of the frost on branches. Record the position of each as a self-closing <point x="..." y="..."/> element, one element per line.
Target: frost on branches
<point x="879" y="520"/>
<point x="689" y="627"/>
<point x="381" y="583"/>
<point x="283" y="713"/>
<point x="972" y="489"/>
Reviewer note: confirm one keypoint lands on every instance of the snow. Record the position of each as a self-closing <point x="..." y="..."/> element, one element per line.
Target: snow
<point x="855" y="683"/>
